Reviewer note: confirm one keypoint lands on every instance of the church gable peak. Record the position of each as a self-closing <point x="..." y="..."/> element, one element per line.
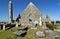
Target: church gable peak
<point x="31" y="3"/>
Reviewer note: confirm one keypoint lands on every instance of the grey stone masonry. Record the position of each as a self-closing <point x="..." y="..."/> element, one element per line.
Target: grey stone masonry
<point x="10" y="12"/>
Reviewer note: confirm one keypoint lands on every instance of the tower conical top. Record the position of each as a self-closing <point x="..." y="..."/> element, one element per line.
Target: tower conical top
<point x="10" y="1"/>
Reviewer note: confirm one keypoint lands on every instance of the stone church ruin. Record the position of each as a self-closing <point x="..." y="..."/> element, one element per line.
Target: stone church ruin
<point x="30" y="16"/>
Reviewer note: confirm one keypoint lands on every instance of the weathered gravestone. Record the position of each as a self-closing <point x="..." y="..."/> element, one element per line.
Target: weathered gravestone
<point x="40" y="34"/>
<point x="4" y="27"/>
<point x="20" y="33"/>
<point x="0" y="27"/>
<point x="44" y="24"/>
<point x="51" y="33"/>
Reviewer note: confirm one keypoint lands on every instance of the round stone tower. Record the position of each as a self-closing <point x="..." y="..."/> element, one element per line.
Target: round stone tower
<point x="10" y="12"/>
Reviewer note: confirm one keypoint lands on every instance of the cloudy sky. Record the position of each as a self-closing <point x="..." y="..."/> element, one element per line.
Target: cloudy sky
<point x="52" y="7"/>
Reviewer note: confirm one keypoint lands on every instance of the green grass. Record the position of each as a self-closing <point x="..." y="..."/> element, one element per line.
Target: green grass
<point x="8" y="34"/>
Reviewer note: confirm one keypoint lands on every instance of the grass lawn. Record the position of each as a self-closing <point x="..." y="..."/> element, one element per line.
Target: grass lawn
<point x="8" y="34"/>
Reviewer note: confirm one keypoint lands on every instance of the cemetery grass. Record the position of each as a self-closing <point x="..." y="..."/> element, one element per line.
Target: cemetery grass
<point x="8" y="34"/>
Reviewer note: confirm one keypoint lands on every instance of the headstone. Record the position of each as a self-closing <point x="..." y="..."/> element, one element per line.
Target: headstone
<point x="54" y="22"/>
<point x="57" y="29"/>
<point x="40" y="23"/>
<point x="3" y="27"/>
<point x="50" y="33"/>
<point x="40" y="34"/>
<point x="16" y="24"/>
<point x="0" y="27"/>
<point x="57" y="23"/>
<point x="33" y="28"/>
<point x="20" y="33"/>
<point x="44" y="24"/>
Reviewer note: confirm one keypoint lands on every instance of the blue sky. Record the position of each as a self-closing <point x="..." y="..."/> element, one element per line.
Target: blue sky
<point x="52" y="7"/>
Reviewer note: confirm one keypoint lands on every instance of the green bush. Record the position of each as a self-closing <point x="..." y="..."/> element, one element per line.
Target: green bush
<point x="51" y="26"/>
